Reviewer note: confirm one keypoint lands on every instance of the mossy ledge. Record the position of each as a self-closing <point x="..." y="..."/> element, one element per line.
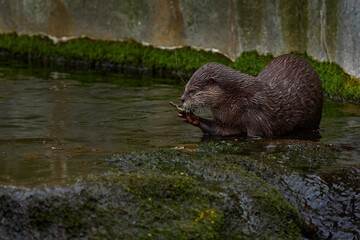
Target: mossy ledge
<point x="162" y="62"/>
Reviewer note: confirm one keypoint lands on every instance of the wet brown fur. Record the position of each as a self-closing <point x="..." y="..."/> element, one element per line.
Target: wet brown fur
<point x="286" y="96"/>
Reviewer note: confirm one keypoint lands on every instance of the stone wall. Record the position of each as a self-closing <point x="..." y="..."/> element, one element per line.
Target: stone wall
<point x="328" y="30"/>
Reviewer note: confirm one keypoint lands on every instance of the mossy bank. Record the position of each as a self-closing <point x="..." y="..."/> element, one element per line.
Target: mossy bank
<point x="161" y="62"/>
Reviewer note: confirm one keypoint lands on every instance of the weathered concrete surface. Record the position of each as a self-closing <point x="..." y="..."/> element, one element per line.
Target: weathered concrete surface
<point x="328" y="30"/>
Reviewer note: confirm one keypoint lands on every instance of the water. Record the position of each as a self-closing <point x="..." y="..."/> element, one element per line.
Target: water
<point x="341" y="126"/>
<point x="57" y="123"/>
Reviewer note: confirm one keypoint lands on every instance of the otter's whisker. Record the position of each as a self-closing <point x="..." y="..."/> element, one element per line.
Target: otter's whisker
<point x="178" y="72"/>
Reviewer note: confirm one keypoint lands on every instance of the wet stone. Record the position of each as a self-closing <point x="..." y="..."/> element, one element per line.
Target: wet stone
<point x="163" y="194"/>
<point x="282" y="189"/>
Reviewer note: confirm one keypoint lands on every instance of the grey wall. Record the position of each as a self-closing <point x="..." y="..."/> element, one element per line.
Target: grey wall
<point x="328" y="30"/>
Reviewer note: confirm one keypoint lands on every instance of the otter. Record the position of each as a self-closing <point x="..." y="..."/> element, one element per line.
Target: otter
<point x="285" y="97"/>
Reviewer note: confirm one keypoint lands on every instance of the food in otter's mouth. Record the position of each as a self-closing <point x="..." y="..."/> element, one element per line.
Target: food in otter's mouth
<point x="187" y="114"/>
<point x="285" y="97"/>
<point x="181" y="109"/>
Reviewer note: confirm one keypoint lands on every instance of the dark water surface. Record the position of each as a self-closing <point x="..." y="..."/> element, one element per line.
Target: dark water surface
<point x="57" y="124"/>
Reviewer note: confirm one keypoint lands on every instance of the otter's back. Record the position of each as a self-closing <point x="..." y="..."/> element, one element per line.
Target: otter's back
<point x="296" y="92"/>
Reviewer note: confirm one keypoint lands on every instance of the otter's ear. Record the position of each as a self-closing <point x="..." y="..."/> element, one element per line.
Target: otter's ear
<point x="212" y="80"/>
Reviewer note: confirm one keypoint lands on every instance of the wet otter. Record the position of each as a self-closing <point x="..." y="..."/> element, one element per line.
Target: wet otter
<point x="286" y="96"/>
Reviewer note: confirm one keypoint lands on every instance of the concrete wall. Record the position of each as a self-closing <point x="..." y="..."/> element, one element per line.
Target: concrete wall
<point x="328" y="30"/>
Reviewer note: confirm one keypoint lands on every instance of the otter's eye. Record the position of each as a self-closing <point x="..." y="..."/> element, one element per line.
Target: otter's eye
<point x="191" y="92"/>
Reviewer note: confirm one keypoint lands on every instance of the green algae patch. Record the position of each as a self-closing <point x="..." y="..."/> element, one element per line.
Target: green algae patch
<point x="118" y="206"/>
<point x="115" y="52"/>
<point x="160" y="194"/>
<point x="245" y="199"/>
<point x="299" y="156"/>
<point x="251" y="62"/>
<point x="284" y="155"/>
<point x="162" y="62"/>
<point x="335" y="82"/>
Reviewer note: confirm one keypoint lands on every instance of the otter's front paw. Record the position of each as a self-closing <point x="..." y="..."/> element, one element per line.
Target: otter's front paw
<point x="191" y="118"/>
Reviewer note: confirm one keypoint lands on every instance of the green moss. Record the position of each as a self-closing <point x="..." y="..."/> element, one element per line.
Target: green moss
<point x="170" y="206"/>
<point x="336" y="83"/>
<point x="216" y="167"/>
<point x="119" y="206"/>
<point x="251" y="63"/>
<point x="186" y="60"/>
<point x="123" y="53"/>
<point x="298" y="156"/>
<point x="275" y="205"/>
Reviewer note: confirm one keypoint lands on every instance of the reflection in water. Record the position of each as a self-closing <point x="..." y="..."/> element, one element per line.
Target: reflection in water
<point x="55" y="126"/>
<point x="341" y="127"/>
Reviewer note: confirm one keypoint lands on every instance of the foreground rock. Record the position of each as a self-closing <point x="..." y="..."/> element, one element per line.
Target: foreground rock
<point x="252" y="189"/>
<point x="163" y="194"/>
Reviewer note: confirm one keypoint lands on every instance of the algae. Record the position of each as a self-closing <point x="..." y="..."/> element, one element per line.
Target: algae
<point x="162" y="62"/>
<point x="248" y="197"/>
<point x="299" y="156"/>
<point x="335" y="82"/>
<point x="122" y="53"/>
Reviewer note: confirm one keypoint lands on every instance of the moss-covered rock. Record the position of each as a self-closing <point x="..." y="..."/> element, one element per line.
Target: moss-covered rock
<point x="223" y="189"/>
<point x="309" y="175"/>
<point x="162" y="194"/>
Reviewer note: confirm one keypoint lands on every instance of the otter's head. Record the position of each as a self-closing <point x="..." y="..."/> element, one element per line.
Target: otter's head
<point x="203" y="89"/>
